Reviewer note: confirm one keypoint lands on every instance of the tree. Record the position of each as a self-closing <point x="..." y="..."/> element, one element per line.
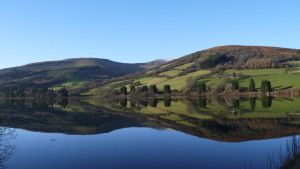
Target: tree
<point x="286" y="68"/>
<point x="201" y="88"/>
<point x="263" y="87"/>
<point x="273" y="65"/>
<point x="144" y="88"/>
<point x="132" y="89"/>
<point x="153" y="89"/>
<point x="167" y="89"/>
<point x="235" y="85"/>
<point x="251" y="86"/>
<point x="233" y="74"/>
<point x="34" y="91"/>
<point x="63" y="92"/>
<point x="20" y="93"/>
<point x="269" y="86"/>
<point x="123" y="90"/>
<point x="266" y="86"/>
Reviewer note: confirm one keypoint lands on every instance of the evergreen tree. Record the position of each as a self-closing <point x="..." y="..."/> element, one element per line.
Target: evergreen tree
<point x="123" y="90"/>
<point x="153" y="89"/>
<point x="201" y="88"/>
<point x="251" y="86"/>
<point x="167" y="89"/>
<point x="266" y="86"/>
<point x="144" y="88"/>
<point x="263" y="87"/>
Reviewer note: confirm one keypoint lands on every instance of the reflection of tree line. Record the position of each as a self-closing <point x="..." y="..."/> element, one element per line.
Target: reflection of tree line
<point x="138" y="103"/>
<point x="266" y="102"/>
<point x="35" y="103"/>
<point x="202" y="102"/>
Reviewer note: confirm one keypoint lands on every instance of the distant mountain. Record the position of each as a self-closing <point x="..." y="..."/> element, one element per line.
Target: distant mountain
<point x="154" y="63"/>
<point x="67" y="72"/>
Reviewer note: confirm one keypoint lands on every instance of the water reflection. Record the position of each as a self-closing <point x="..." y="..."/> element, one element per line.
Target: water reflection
<point x="216" y="118"/>
<point x="7" y="149"/>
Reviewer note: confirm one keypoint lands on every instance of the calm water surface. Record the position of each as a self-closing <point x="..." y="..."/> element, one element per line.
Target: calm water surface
<point x="150" y="133"/>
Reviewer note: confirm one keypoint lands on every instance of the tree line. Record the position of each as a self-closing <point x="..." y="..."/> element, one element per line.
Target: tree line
<point x="201" y="88"/>
<point x="37" y="92"/>
<point x="151" y="90"/>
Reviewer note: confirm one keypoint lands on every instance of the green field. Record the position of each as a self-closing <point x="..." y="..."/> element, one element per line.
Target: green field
<point x="179" y="83"/>
<point x="278" y="105"/>
<point x="70" y="84"/>
<point x="257" y="71"/>
<point x="150" y="80"/>
<point x="170" y="73"/>
<point x="183" y="67"/>
<point x="294" y="63"/>
<point x="277" y="81"/>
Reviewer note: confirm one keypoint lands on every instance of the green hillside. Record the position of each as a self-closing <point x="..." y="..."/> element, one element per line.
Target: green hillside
<point x="72" y="73"/>
<point x="218" y="65"/>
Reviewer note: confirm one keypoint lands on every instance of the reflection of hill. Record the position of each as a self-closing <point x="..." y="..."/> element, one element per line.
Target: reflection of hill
<point x="235" y="130"/>
<point x="59" y="121"/>
<point x="216" y="126"/>
<point x="201" y="119"/>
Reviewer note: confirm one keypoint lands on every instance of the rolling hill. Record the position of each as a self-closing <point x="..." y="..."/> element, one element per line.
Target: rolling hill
<point x="215" y="66"/>
<point x="72" y="73"/>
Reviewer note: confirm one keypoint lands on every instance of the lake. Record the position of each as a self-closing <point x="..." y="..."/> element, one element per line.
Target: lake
<point x="209" y="133"/>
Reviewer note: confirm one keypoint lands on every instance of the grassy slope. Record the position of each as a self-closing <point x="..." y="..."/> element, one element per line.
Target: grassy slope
<point x="178" y="83"/>
<point x="176" y="72"/>
<point x="71" y="73"/>
<point x="278" y="78"/>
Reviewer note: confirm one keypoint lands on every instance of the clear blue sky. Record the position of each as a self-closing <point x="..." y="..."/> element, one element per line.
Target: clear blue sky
<point x="140" y="30"/>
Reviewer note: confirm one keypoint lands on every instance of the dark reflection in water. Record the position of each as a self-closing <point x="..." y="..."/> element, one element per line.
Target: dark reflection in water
<point x="266" y="101"/>
<point x="167" y="102"/>
<point x="153" y="102"/>
<point x="227" y="119"/>
<point x="252" y="102"/>
<point x="223" y="119"/>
